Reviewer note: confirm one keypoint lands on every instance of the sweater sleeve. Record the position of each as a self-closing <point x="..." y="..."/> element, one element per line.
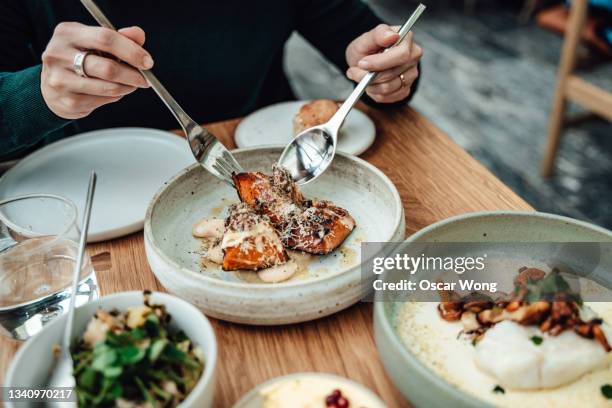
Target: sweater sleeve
<point x="25" y="118"/>
<point x="331" y="25"/>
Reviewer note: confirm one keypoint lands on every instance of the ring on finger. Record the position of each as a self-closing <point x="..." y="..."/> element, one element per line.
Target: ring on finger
<point x="402" y="80"/>
<point x="78" y="64"/>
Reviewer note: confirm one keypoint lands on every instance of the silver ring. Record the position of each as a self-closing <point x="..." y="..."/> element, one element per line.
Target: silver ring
<point x="79" y="62"/>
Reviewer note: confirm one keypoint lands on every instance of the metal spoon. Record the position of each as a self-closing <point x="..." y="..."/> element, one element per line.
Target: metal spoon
<point x="62" y="372"/>
<point x="311" y="152"/>
<point x="205" y="146"/>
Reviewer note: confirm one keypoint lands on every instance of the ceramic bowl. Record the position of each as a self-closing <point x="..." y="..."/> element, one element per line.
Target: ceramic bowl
<point x="328" y="284"/>
<point x="415" y="380"/>
<point x="255" y="399"/>
<point x="32" y="364"/>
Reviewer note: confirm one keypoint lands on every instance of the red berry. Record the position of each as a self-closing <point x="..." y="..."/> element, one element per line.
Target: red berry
<point x="336" y="393"/>
<point x="330" y="400"/>
<point x="342" y="403"/>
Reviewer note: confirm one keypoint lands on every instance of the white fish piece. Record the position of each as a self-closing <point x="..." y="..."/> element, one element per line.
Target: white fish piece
<point x="508" y="353"/>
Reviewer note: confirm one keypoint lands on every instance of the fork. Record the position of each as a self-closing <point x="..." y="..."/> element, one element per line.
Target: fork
<point x="206" y="148"/>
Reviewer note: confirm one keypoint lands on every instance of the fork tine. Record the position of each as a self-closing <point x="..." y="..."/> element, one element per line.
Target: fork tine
<point x="232" y="162"/>
<point x="225" y="178"/>
<point x="225" y="166"/>
<point x="218" y="165"/>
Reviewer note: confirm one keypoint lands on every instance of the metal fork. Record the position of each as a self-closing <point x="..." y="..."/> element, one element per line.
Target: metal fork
<point x="206" y="148"/>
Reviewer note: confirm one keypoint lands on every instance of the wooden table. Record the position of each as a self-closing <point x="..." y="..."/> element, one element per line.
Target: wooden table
<point x="436" y="179"/>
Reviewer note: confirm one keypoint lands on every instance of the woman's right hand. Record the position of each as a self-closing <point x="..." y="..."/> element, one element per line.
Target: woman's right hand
<point x="111" y="68"/>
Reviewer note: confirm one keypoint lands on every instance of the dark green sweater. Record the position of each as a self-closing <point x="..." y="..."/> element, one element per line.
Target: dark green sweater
<point x="220" y="59"/>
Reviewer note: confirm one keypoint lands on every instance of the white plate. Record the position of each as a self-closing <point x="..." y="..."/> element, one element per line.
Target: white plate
<point x="131" y="163"/>
<point x="326" y="285"/>
<point x="273" y="125"/>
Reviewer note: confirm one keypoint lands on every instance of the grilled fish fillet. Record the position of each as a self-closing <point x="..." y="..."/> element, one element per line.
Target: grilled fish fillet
<point x="250" y="242"/>
<point x="317" y="227"/>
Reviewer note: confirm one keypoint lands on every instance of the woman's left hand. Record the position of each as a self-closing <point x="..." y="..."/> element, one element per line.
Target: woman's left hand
<point x="397" y="67"/>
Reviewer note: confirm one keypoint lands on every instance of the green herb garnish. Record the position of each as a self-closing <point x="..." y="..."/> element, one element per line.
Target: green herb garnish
<point x="537" y="340"/>
<point x="548" y="288"/>
<point x="606" y="391"/>
<point x="499" y="390"/>
<point x="149" y="363"/>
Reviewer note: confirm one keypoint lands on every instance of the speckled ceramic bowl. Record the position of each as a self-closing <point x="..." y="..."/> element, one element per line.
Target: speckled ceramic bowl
<point x="325" y="285"/>
<point x="34" y="361"/>
<point x="416" y="381"/>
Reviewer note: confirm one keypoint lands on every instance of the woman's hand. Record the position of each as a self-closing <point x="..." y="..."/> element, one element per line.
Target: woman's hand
<point x="110" y="67"/>
<point x="397" y="67"/>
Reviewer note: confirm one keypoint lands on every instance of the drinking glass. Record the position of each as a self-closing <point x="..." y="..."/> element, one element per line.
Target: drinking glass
<point x="38" y="248"/>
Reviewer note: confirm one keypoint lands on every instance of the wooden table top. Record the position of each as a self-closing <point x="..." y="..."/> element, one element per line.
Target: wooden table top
<point x="435" y="178"/>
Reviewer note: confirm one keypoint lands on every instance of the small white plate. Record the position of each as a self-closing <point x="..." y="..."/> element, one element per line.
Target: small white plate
<point x="131" y="163"/>
<point x="273" y="125"/>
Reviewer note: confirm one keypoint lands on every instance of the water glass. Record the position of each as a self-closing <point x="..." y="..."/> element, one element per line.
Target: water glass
<point x="38" y="247"/>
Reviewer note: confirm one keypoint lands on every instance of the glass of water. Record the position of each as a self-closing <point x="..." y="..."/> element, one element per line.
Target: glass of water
<point x="38" y="248"/>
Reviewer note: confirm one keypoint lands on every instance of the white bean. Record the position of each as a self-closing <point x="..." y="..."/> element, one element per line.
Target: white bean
<point x="278" y="273"/>
<point x="209" y="228"/>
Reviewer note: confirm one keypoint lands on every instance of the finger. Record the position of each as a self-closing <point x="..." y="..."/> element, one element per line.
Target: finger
<point x="381" y="36"/>
<point x="84" y="104"/>
<point x="134" y="33"/>
<point x="98" y="87"/>
<point x="395" y="83"/>
<point x="104" y="68"/>
<point x="356" y="74"/>
<point x="398" y="55"/>
<point x="107" y="40"/>
<point x="386" y="88"/>
<point x="385" y="36"/>
<point x="396" y="96"/>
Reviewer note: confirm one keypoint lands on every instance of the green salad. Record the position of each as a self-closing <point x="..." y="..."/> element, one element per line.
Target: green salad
<point x="134" y="359"/>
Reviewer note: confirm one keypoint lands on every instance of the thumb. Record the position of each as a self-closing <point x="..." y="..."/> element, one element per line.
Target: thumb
<point x="134" y="33"/>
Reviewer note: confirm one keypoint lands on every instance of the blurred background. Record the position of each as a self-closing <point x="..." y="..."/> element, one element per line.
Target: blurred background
<point x="489" y="74"/>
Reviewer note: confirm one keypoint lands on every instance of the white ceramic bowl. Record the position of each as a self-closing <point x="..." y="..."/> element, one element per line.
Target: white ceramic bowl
<point x="417" y="382"/>
<point x="32" y="364"/>
<point x="331" y="283"/>
<point x="254" y="398"/>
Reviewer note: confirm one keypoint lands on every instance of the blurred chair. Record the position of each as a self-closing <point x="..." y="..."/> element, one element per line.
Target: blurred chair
<point x="572" y="88"/>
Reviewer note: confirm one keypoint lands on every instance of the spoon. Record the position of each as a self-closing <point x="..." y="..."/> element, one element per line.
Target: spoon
<point x="309" y="154"/>
<point x="62" y="372"/>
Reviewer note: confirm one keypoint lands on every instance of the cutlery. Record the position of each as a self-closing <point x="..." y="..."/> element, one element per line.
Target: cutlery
<point x="62" y="372"/>
<point x="309" y="154"/>
<point x="206" y="148"/>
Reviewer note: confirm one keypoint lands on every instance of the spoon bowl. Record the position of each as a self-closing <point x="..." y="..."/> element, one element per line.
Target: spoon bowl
<point x="309" y="154"/>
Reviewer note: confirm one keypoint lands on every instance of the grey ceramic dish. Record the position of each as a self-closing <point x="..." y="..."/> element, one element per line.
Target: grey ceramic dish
<point x="254" y="398"/>
<point x="33" y="362"/>
<point x="330" y="283"/>
<point x="416" y="381"/>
